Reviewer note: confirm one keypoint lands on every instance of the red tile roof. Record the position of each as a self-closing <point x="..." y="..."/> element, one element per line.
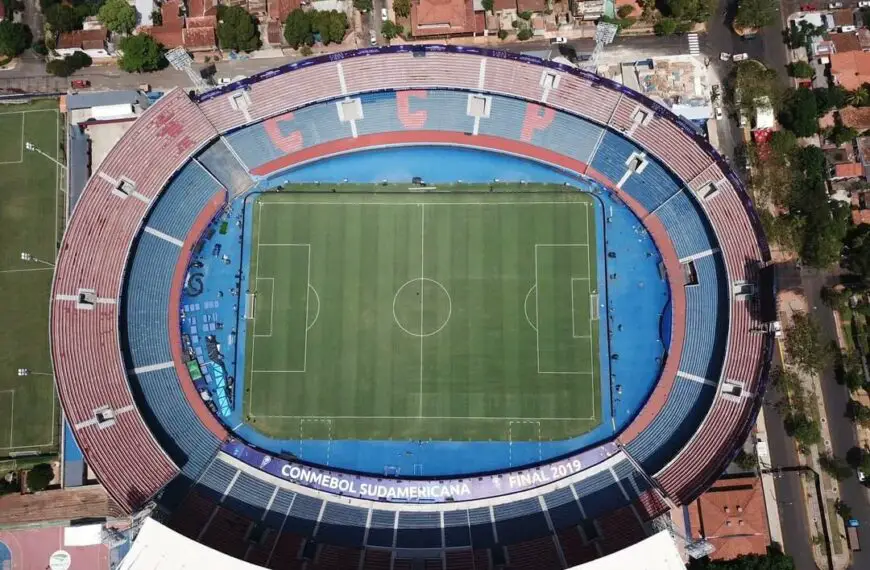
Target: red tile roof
<point x="860" y="217"/>
<point x="196" y="8"/>
<point x="198" y="38"/>
<point x="531" y="5"/>
<point x="202" y="22"/>
<point x="731" y="515"/>
<point x="170" y="13"/>
<point x="280" y="9"/>
<point x="848" y="170"/>
<point x="442" y="17"/>
<point x="504" y="5"/>
<point x="169" y="36"/>
<point x="844" y="17"/>
<point x="856" y="117"/>
<point x="847" y="41"/>
<point x="851" y="68"/>
<point x="274" y="33"/>
<point x="83" y="39"/>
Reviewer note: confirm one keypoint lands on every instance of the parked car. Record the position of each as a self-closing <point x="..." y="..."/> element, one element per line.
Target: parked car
<point x="835" y="5"/>
<point x="373" y="38"/>
<point x="725" y="56"/>
<point x="719" y="113"/>
<point x="80" y="83"/>
<point x="861" y="476"/>
<point x="384" y="15"/>
<point x="740" y="57"/>
<point x="864" y="4"/>
<point x="559" y="40"/>
<point x="224" y="80"/>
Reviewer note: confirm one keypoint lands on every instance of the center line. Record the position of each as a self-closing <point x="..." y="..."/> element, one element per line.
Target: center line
<point x="422" y="276"/>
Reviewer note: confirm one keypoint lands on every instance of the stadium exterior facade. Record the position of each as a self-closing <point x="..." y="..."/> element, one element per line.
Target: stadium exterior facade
<point x="125" y="390"/>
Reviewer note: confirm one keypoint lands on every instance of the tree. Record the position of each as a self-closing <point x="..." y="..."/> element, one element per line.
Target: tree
<point x="59" y="68"/>
<point x="800" y="112"/>
<point x="858" y="412"/>
<point x="843" y="509"/>
<point x="118" y="16"/>
<point x="841" y="134"/>
<point x="746" y="461"/>
<point x="402" y="8"/>
<point x="305" y="51"/>
<point x="63" y="18"/>
<point x="363" y="5"/>
<point x="39" y="477"/>
<point x="502" y="34"/>
<point x="237" y="29"/>
<point x="689" y="10"/>
<point x="805" y="430"/>
<point x="755" y="13"/>
<point x="157" y="17"/>
<point x="753" y="85"/>
<point x="804" y="346"/>
<point x="665" y="27"/>
<point x="297" y="29"/>
<point x="141" y="53"/>
<point x="625" y="10"/>
<point x="14" y="38"/>
<point x="835" y="467"/>
<point x="856" y="251"/>
<point x="773" y="560"/>
<point x="390" y="30"/>
<point x="828" y="98"/>
<point x="330" y="25"/>
<point x="801" y="69"/>
<point x="524" y="34"/>
<point x="860" y="97"/>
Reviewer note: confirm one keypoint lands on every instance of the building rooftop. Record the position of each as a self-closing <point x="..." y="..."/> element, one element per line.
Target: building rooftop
<point x="531" y="5"/>
<point x="843" y="17"/>
<point x="280" y="9"/>
<point x="504" y="5"/>
<point x="198" y="38"/>
<point x="856" y="117"/>
<point x="732" y="516"/>
<point x="196" y="8"/>
<point x="847" y="41"/>
<point x="848" y="170"/>
<point x="442" y="17"/>
<point x="851" y="69"/>
<point x="83" y="39"/>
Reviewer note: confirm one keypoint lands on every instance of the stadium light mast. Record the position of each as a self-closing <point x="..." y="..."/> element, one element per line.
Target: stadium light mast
<point x="33" y="148"/>
<point x="31" y="259"/>
<point x="179" y="59"/>
<point x="604" y="35"/>
<point x="28" y="372"/>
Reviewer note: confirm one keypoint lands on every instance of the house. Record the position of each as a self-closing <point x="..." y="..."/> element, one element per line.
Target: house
<point x="443" y="18"/>
<point x="195" y="33"/>
<point x="860" y="202"/>
<point x="850" y="69"/>
<point x="844" y="20"/>
<point x="274" y="33"/>
<point x="93" y="42"/>
<point x="845" y="42"/>
<point x="857" y="118"/>
<point x="280" y="9"/>
<point x="531" y="5"/>
<point x="197" y="8"/>
<point x="731" y="515"/>
<point x="501" y="5"/>
<point x="864" y="38"/>
<point x="145" y="9"/>
<point x="593" y="9"/>
<point x="846" y="171"/>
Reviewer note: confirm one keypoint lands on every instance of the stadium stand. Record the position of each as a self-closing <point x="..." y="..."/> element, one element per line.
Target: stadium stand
<point x="248" y="514"/>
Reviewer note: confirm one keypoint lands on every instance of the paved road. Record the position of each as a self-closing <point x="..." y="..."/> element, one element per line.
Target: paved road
<point x="843" y="436"/>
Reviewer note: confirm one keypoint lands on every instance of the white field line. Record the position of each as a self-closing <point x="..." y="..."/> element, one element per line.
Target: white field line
<point x="375" y="203"/>
<point x="271" y="309"/>
<point x="486" y="418"/>
<point x="254" y="324"/>
<point x="591" y="344"/>
<point x="11" y="414"/>
<point x="422" y="282"/>
<point x="21" y="150"/>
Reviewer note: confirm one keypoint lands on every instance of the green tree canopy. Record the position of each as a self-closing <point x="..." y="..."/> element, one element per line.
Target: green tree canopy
<point x="858" y="412"/>
<point x="804" y="345"/>
<point x="363" y="5"/>
<point x="756" y="13"/>
<point x="689" y="10"/>
<point x="402" y="8"/>
<point x="856" y="251"/>
<point x="841" y="134"/>
<point x="141" y="53"/>
<point x="118" y="16"/>
<point x="390" y="29"/>
<point x="753" y="85"/>
<point x="237" y="29"/>
<point x="773" y="560"/>
<point x="64" y="18"/>
<point x="835" y="467"/>
<point x="665" y="27"/>
<point x="800" y="112"/>
<point x="801" y="69"/>
<point x="524" y="34"/>
<point x="828" y="98"/>
<point x="805" y="430"/>
<point x="297" y="29"/>
<point x="330" y="25"/>
<point x="39" y="477"/>
<point x="14" y="38"/>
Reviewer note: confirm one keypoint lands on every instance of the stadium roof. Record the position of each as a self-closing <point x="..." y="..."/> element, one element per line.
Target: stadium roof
<point x="159" y="548"/>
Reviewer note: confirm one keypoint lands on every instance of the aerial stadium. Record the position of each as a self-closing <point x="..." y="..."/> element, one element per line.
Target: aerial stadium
<point x="427" y="306"/>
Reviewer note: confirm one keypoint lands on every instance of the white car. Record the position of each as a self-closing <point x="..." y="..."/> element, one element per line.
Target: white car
<point x="384" y="15"/>
<point x="725" y="56"/>
<point x="740" y="57"/>
<point x="864" y="4"/>
<point x="835" y="5"/>
<point x="861" y="476"/>
<point x="373" y="38"/>
<point x="719" y="113"/>
<point x="559" y="40"/>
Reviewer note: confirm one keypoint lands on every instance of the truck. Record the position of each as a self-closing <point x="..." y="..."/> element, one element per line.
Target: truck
<point x="852" y="534"/>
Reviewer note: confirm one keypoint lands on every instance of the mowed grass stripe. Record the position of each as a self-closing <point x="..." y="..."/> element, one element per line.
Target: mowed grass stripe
<point x="480" y="369"/>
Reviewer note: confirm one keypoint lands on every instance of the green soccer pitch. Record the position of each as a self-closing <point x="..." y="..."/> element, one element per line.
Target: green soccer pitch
<point x="31" y="218"/>
<point x="442" y="316"/>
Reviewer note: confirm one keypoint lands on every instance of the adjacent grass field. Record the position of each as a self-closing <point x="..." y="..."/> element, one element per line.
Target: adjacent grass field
<point x="423" y="316"/>
<point x="31" y="214"/>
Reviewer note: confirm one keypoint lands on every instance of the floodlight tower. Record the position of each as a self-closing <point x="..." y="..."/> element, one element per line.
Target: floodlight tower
<point x="604" y="35"/>
<point x="179" y="59"/>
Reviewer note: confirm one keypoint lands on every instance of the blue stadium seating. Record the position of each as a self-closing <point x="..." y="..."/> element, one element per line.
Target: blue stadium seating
<point x="519" y="520"/>
<point x="317" y="124"/>
<point x="652" y="186"/>
<point x="250" y="496"/>
<point x="482" y="533"/>
<point x="456" y="531"/>
<point x="704" y="346"/>
<point x="673" y="426"/>
<point x="445" y="111"/>
<point x="599" y="494"/>
<point x="279" y="508"/>
<point x="147" y="301"/>
<point x="223" y="165"/>
<point x="342" y="524"/>
<point x="506" y="119"/>
<point x="611" y="156"/>
<point x="563" y="508"/>
<point x="182" y="201"/>
<point x="184" y="437"/>
<point x="419" y="529"/>
<point x="382" y="528"/>
<point x="633" y="482"/>
<point x="686" y="225"/>
<point x="303" y="515"/>
<point x="216" y="480"/>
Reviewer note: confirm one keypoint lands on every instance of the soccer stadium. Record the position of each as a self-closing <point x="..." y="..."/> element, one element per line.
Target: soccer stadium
<point x="412" y="307"/>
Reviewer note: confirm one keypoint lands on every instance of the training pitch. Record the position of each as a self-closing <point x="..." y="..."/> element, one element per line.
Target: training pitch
<point x="31" y="216"/>
<point x="442" y="316"/>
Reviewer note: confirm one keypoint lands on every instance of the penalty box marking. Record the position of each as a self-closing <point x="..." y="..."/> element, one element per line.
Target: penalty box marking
<point x="272" y="316"/>
<point x="573" y="326"/>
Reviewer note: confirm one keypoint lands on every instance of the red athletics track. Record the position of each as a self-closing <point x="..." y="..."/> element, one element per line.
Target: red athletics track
<point x="659" y="235"/>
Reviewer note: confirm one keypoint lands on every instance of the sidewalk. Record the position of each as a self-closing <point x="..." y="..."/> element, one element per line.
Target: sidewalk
<point x="771" y="505"/>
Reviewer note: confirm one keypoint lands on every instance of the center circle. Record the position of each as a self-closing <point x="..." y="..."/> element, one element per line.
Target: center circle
<point x="422" y="307"/>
